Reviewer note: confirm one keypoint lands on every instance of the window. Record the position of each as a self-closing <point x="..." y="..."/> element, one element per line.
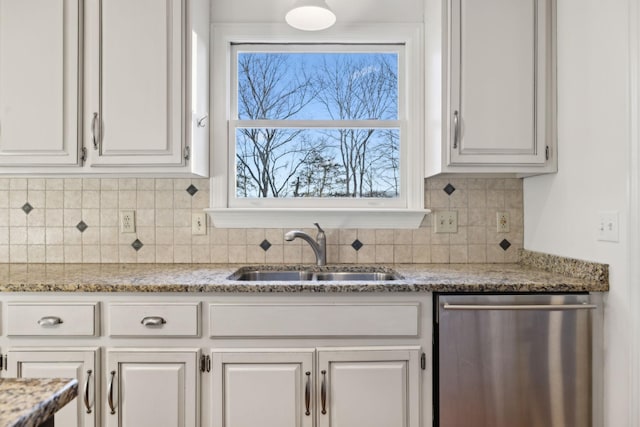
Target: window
<point x="317" y="125"/>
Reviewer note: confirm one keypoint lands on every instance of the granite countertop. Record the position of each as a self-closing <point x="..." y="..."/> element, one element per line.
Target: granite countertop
<point x="26" y="402"/>
<point x="534" y="273"/>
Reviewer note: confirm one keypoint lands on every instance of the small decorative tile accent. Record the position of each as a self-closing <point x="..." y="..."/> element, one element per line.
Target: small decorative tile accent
<point x="82" y="226"/>
<point x="449" y="189"/>
<point x="505" y="244"/>
<point x="27" y="208"/>
<point x="137" y="244"/>
<point x="265" y="245"/>
<point x="192" y="189"/>
<point x="357" y="244"/>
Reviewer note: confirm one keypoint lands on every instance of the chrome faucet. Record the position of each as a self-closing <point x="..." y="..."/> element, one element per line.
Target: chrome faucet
<point x="319" y="245"/>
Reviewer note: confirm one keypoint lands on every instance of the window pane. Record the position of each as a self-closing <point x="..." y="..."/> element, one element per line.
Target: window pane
<point x="317" y="86"/>
<point x="345" y="163"/>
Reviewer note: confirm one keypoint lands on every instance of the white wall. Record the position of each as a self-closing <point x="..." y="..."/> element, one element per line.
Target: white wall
<point x="593" y="139"/>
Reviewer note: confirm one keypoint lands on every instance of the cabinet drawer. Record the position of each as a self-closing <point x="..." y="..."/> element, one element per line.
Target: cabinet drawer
<point x="46" y="319"/>
<point x="151" y="320"/>
<point x="257" y="320"/>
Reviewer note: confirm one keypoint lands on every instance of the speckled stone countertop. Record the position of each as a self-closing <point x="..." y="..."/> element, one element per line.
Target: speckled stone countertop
<point x="530" y="275"/>
<point x="28" y="402"/>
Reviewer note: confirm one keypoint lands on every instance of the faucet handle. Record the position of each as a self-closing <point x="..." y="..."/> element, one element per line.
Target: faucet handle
<point x="319" y="229"/>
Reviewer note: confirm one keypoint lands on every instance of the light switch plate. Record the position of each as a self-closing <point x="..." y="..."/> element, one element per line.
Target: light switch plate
<point x="199" y="223"/>
<point x="608" y="226"/>
<point x="446" y="222"/>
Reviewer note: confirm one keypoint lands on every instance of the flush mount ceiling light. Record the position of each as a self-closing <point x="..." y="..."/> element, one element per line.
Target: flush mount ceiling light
<point x="310" y="15"/>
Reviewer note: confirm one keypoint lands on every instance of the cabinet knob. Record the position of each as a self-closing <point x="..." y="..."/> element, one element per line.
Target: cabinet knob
<point x="49" y="321"/>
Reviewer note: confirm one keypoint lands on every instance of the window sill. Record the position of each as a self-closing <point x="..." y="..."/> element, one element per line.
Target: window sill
<point x="327" y="218"/>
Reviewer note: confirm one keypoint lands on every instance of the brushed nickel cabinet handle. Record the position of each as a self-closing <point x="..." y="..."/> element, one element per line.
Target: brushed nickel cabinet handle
<point x="307" y="394"/>
<point x="49" y="321"/>
<point x="323" y="392"/>
<point x="94" y="132"/>
<point x="87" y="404"/>
<point x="456" y="128"/>
<point x="110" y="392"/>
<point x="153" y="321"/>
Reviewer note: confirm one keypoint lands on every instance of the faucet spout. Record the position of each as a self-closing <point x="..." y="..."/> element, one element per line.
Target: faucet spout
<point x="319" y="245"/>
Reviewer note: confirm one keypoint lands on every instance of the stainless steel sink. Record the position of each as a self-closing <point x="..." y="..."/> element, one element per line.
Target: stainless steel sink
<point x="258" y="274"/>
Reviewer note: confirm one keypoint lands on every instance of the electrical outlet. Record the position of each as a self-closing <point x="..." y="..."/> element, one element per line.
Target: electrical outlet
<point x="502" y="222"/>
<point x="127" y="221"/>
<point x="199" y="223"/>
<point x="446" y="222"/>
<point x="608" y="226"/>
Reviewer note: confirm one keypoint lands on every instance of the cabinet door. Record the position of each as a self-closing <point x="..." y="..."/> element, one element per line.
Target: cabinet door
<point x="135" y="116"/>
<point x="499" y="81"/>
<point x="39" y="82"/>
<point x="62" y="363"/>
<point x="152" y="387"/>
<point x="373" y="388"/>
<point x="266" y="388"/>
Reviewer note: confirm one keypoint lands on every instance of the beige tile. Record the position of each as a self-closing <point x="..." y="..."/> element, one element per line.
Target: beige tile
<point x="109" y="235"/>
<point x="36" y="218"/>
<point x="17" y="218"/>
<point x="54" y="199"/>
<point x="18" y="235"/>
<point x="333" y="254"/>
<point x="145" y="217"/>
<point x="4" y="184"/>
<point x="54" y="184"/>
<point x="182" y="218"/>
<point x="440" y="254"/>
<point x="4" y="235"/>
<point x="308" y="257"/>
<point x="275" y="236"/>
<point x="127" y="184"/>
<point x="439" y="199"/>
<point x="459" y="199"/>
<point x="147" y="254"/>
<point x="200" y="200"/>
<point x="513" y="199"/>
<point x="384" y="253"/>
<point x="511" y="254"/>
<point x="458" y="254"/>
<point x="164" y="184"/>
<point x="476" y="183"/>
<point x="18" y="184"/>
<point x="477" y="199"/>
<point x="200" y="239"/>
<point x="91" y="217"/>
<point x="91" y="184"/>
<point x="4" y="217"/>
<point x="91" y="254"/>
<point x="164" y="217"/>
<point x="477" y="253"/>
<point x="459" y="238"/>
<point x="91" y="199"/>
<point x="495" y="199"/>
<point x="182" y="235"/>
<point x="347" y="236"/>
<point x="182" y="199"/>
<point x="37" y="198"/>
<point x="347" y="255"/>
<point x="72" y="254"/>
<point x="441" y="238"/>
<point x="477" y="217"/>
<point x="36" y="236"/>
<point x="127" y="199"/>
<point x="219" y="236"/>
<point x="54" y="254"/>
<point x="495" y="254"/>
<point x="367" y="254"/>
<point x="145" y="184"/>
<point x="292" y="254"/>
<point x="275" y="254"/>
<point x="36" y="254"/>
<point x="219" y="255"/>
<point x="164" y="199"/>
<point x="127" y="255"/>
<point x="237" y="236"/>
<point x="421" y="254"/>
<point x="164" y="235"/>
<point x="17" y="199"/>
<point x="513" y="184"/>
<point x="109" y="218"/>
<point x="109" y="200"/>
<point x="384" y="237"/>
<point x="200" y="254"/>
<point x="421" y="236"/>
<point x="4" y="253"/>
<point x="72" y="236"/>
<point x="145" y="199"/>
<point x="71" y="217"/>
<point x="237" y="254"/>
<point x="402" y="254"/>
<point x="109" y="254"/>
<point x="72" y="184"/>
<point x="496" y="183"/>
<point x="476" y="235"/>
<point x="255" y="236"/>
<point x="255" y="254"/>
<point x="18" y="253"/>
<point x="368" y="237"/>
<point x="4" y="199"/>
<point x="403" y="237"/>
<point x="164" y="254"/>
<point x="147" y="235"/>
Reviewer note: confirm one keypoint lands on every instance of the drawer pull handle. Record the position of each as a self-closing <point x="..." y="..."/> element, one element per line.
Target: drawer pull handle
<point x="87" y="404"/>
<point x="456" y="129"/>
<point x="150" y="321"/>
<point x="323" y="392"/>
<point x="49" y="321"/>
<point x="307" y="394"/>
<point x="110" y="397"/>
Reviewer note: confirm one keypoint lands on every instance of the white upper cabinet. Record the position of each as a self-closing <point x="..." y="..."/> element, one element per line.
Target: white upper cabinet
<point x="139" y="103"/>
<point x="499" y="89"/>
<point x="39" y="83"/>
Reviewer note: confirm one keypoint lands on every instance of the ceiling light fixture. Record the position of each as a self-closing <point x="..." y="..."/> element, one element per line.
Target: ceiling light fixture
<point x="310" y="15"/>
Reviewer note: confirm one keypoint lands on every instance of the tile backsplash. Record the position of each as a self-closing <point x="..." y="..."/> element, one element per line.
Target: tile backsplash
<point x="75" y="220"/>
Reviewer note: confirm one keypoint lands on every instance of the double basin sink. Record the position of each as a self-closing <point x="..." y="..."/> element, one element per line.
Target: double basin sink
<point x="324" y="273"/>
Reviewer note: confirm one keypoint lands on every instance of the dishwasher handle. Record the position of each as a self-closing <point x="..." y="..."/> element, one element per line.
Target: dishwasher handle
<point x="535" y="307"/>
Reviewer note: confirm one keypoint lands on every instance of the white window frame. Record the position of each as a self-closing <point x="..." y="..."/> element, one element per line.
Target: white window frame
<point x="404" y="212"/>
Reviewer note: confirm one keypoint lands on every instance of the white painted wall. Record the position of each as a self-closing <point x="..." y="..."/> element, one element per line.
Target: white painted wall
<point x="346" y="10"/>
<point x="593" y="139"/>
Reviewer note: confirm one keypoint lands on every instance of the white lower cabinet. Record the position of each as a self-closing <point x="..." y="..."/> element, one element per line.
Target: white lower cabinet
<point x="374" y="387"/>
<point x="152" y="387"/>
<point x="81" y="364"/>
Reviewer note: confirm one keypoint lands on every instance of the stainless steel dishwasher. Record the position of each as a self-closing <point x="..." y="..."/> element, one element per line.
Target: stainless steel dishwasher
<point x="512" y="360"/>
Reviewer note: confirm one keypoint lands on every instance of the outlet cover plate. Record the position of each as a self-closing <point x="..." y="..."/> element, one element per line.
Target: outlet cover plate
<point x="127" y="221"/>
